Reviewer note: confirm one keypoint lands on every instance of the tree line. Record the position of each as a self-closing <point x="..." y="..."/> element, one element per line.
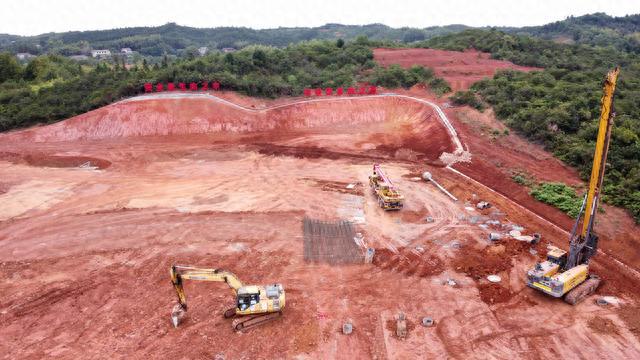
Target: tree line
<point x="52" y="88"/>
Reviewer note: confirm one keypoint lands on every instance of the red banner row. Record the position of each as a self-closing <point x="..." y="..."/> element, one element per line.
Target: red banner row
<point x="364" y="90"/>
<point x="159" y="87"/>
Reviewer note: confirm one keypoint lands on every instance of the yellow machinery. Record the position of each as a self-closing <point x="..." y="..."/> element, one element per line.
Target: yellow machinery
<point x="254" y="304"/>
<point x="388" y="196"/>
<point x="567" y="274"/>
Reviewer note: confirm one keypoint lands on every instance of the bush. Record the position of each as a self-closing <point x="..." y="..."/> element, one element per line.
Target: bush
<point x="467" y="98"/>
<point x="559" y="195"/>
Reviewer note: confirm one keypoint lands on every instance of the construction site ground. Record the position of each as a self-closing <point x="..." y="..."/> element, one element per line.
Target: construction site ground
<point x="96" y="208"/>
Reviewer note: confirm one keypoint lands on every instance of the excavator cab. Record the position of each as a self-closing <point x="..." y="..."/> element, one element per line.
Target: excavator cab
<point x="557" y="256"/>
<point x="248" y="296"/>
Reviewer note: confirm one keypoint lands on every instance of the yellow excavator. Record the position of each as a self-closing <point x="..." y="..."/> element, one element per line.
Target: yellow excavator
<point x="567" y="273"/>
<point x="254" y="305"/>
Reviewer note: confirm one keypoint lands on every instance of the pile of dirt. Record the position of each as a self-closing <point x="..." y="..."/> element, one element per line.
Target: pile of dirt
<point x="603" y="326"/>
<point x="408" y="262"/>
<point x="494" y="294"/>
<point x="479" y="264"/>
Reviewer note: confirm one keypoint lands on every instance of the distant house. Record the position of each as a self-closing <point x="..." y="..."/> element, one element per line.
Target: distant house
<point x="24" y="56"/>
<point x="126" y="51"/>
<point x="79" y="57"/>
<point x="203" y="50"/>
<point x="228" y="50"/>
<point x="100" y="53"/>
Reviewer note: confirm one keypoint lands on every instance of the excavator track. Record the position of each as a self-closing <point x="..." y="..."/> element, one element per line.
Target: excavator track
<point x="583" y="290"/>
<point x="229" y="313"/>
<point x="247" y="322"/>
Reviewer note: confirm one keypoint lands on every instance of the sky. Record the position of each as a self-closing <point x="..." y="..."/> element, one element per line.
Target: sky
<point x="32" y="17"/>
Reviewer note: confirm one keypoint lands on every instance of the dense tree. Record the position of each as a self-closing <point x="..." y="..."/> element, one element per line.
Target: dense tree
<point x="9" y="67"/>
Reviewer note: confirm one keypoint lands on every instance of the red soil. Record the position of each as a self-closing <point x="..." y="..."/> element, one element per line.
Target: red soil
<point x="86" y="253"/>
<point x="460" y="69"/>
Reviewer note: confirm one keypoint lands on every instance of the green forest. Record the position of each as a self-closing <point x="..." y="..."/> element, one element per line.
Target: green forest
<point x="173" y="39"/>
<point x="52" y="87"/>
<point x="559" y="106"/>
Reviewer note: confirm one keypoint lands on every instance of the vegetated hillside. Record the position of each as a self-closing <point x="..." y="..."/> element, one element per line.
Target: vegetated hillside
<point x="52" y="88"/>
<point x="560" y="106"/>
<point x="174" y="39"/>
<point x="597" y="29"/>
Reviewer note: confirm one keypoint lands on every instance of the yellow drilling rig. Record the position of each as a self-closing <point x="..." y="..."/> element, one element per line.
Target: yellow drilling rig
<point x="567" y="273"/>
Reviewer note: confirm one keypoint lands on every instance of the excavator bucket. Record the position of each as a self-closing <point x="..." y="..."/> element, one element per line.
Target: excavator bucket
<point x="177" y="314"/>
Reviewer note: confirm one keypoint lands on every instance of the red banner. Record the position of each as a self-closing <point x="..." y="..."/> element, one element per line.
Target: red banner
<point x="171" y="86"/>
<point x="215" y="86"/>
<point x="307" y="92"/>
<point x="328" y="91"/>
<point x="159" y="87"/>
<point x="362" y="90"/>
<point x="351" y="91"/>
<point x="318" y="92"/>
<point x="182" y="86"/>
<point x="205" y="86"/>
<point x="339" y="91"/>
<point x="373" y="90"/>
<point x="193" y="86"/>
<point x="148" y="87"/>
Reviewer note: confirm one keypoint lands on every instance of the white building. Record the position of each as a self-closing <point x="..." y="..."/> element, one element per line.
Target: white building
<point x="100" y="53"/>
<point x="24" y="56"/>
<point x="228" y="50"/>
<point x="126" y="51"/>
<point x="203" y="50"/>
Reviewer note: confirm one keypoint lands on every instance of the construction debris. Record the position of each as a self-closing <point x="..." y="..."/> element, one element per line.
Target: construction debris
<point x="483" y="205"/>
<point x="428" y="177"/>
<point x="427" y="322"/>
<point x="495" y="236"/>
<point x="347" y="328"/>
<point x="401" y="326"/>
<point x="536" y="238"/>
<point x="607" y="300"/>
<point x="429" y="219"/>
<point x="368" y="257"/>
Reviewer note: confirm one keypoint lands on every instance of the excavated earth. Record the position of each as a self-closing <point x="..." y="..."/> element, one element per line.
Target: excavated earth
<point x="460" y="68"/>
<point x="96" y="208"/>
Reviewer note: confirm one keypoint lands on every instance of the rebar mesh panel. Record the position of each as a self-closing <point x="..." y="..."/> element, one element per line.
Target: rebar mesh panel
<point x="330" y="242"/>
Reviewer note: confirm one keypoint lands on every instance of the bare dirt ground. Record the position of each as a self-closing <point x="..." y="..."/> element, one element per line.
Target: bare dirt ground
<point x="96" y="209"/>
<point x="459" y="68"/>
